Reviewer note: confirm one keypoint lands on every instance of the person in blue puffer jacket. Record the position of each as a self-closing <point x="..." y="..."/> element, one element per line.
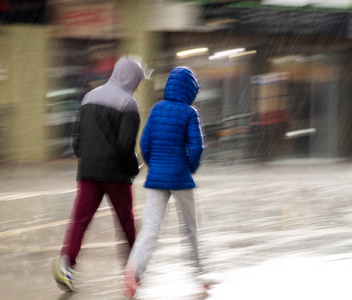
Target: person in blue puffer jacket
<point x="172" y="147"/>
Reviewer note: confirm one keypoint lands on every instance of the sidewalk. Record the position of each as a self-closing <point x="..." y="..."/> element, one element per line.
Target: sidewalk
<point x="37" y="176"/>
<point x="276" y="230"/>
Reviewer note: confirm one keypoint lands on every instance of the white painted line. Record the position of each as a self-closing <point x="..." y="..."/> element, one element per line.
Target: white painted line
<point x="52" y="224"/>
<point x="36" y="249"/>
<point x="34" y="194"/>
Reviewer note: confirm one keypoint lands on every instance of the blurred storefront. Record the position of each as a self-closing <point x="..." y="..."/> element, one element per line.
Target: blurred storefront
<point x="311" y="45"/>
<point x="54" y="51"/>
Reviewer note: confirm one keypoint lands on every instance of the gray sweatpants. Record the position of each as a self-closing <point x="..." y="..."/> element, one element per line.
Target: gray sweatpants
<point x="154" y="211"/>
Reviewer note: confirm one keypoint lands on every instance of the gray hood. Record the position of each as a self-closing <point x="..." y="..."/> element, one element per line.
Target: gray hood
<point x="127" y="74"/>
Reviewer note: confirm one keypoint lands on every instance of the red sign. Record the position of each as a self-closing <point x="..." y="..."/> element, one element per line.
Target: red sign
<point x="86" y="21"/>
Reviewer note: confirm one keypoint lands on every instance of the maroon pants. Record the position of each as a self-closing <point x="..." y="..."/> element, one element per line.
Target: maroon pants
<point x="88" y="199"/>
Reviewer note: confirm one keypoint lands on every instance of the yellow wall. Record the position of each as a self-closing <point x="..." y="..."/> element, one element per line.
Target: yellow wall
<point x="26" y="56"/>
<point x="5" y="98"/>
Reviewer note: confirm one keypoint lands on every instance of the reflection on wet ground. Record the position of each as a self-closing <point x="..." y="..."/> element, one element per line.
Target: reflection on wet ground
<point x="279" y="230"/>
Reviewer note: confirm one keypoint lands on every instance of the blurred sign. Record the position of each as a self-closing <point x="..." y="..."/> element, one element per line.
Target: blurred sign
<point x="290" y="2"/>
<point x="86" y="21"/>
<point x="269" y="99"/>
<point x="292" y="21"/>
<point x="281" y="21"/>
<point x="300" y="3"/>
<point x="172" y="16"/>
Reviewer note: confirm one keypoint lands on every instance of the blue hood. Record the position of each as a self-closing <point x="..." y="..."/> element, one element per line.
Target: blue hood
<point x="181" y="86"/>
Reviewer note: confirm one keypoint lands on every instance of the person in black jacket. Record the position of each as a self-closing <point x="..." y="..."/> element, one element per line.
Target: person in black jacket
<point x="105" y="134"/>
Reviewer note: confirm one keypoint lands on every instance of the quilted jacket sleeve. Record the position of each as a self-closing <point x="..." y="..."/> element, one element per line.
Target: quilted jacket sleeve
<point x="145" y="141"/>
<point x="195" y="142"/>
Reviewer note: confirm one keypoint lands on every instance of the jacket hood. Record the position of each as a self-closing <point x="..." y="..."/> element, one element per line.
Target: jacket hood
<point x="182" y="86"/>
<point x="127" y="74"/>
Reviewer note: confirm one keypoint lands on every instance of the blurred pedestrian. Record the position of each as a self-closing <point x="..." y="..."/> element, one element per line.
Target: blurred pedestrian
<point x="104" y="143"/>
<point x="171" y="146"/>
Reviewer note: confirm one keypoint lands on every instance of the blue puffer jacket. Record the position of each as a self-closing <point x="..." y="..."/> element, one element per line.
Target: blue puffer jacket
<point x="172" y="141"/>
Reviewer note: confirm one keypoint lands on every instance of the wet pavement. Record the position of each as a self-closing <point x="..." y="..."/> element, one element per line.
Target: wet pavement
<point x="274" y="230"/>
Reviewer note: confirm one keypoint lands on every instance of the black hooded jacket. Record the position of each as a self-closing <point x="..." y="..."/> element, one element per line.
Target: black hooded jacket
<point x="107" y="125"/>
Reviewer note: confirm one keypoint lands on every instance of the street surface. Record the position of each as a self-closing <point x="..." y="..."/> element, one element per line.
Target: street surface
<point x="274" y="230"/>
